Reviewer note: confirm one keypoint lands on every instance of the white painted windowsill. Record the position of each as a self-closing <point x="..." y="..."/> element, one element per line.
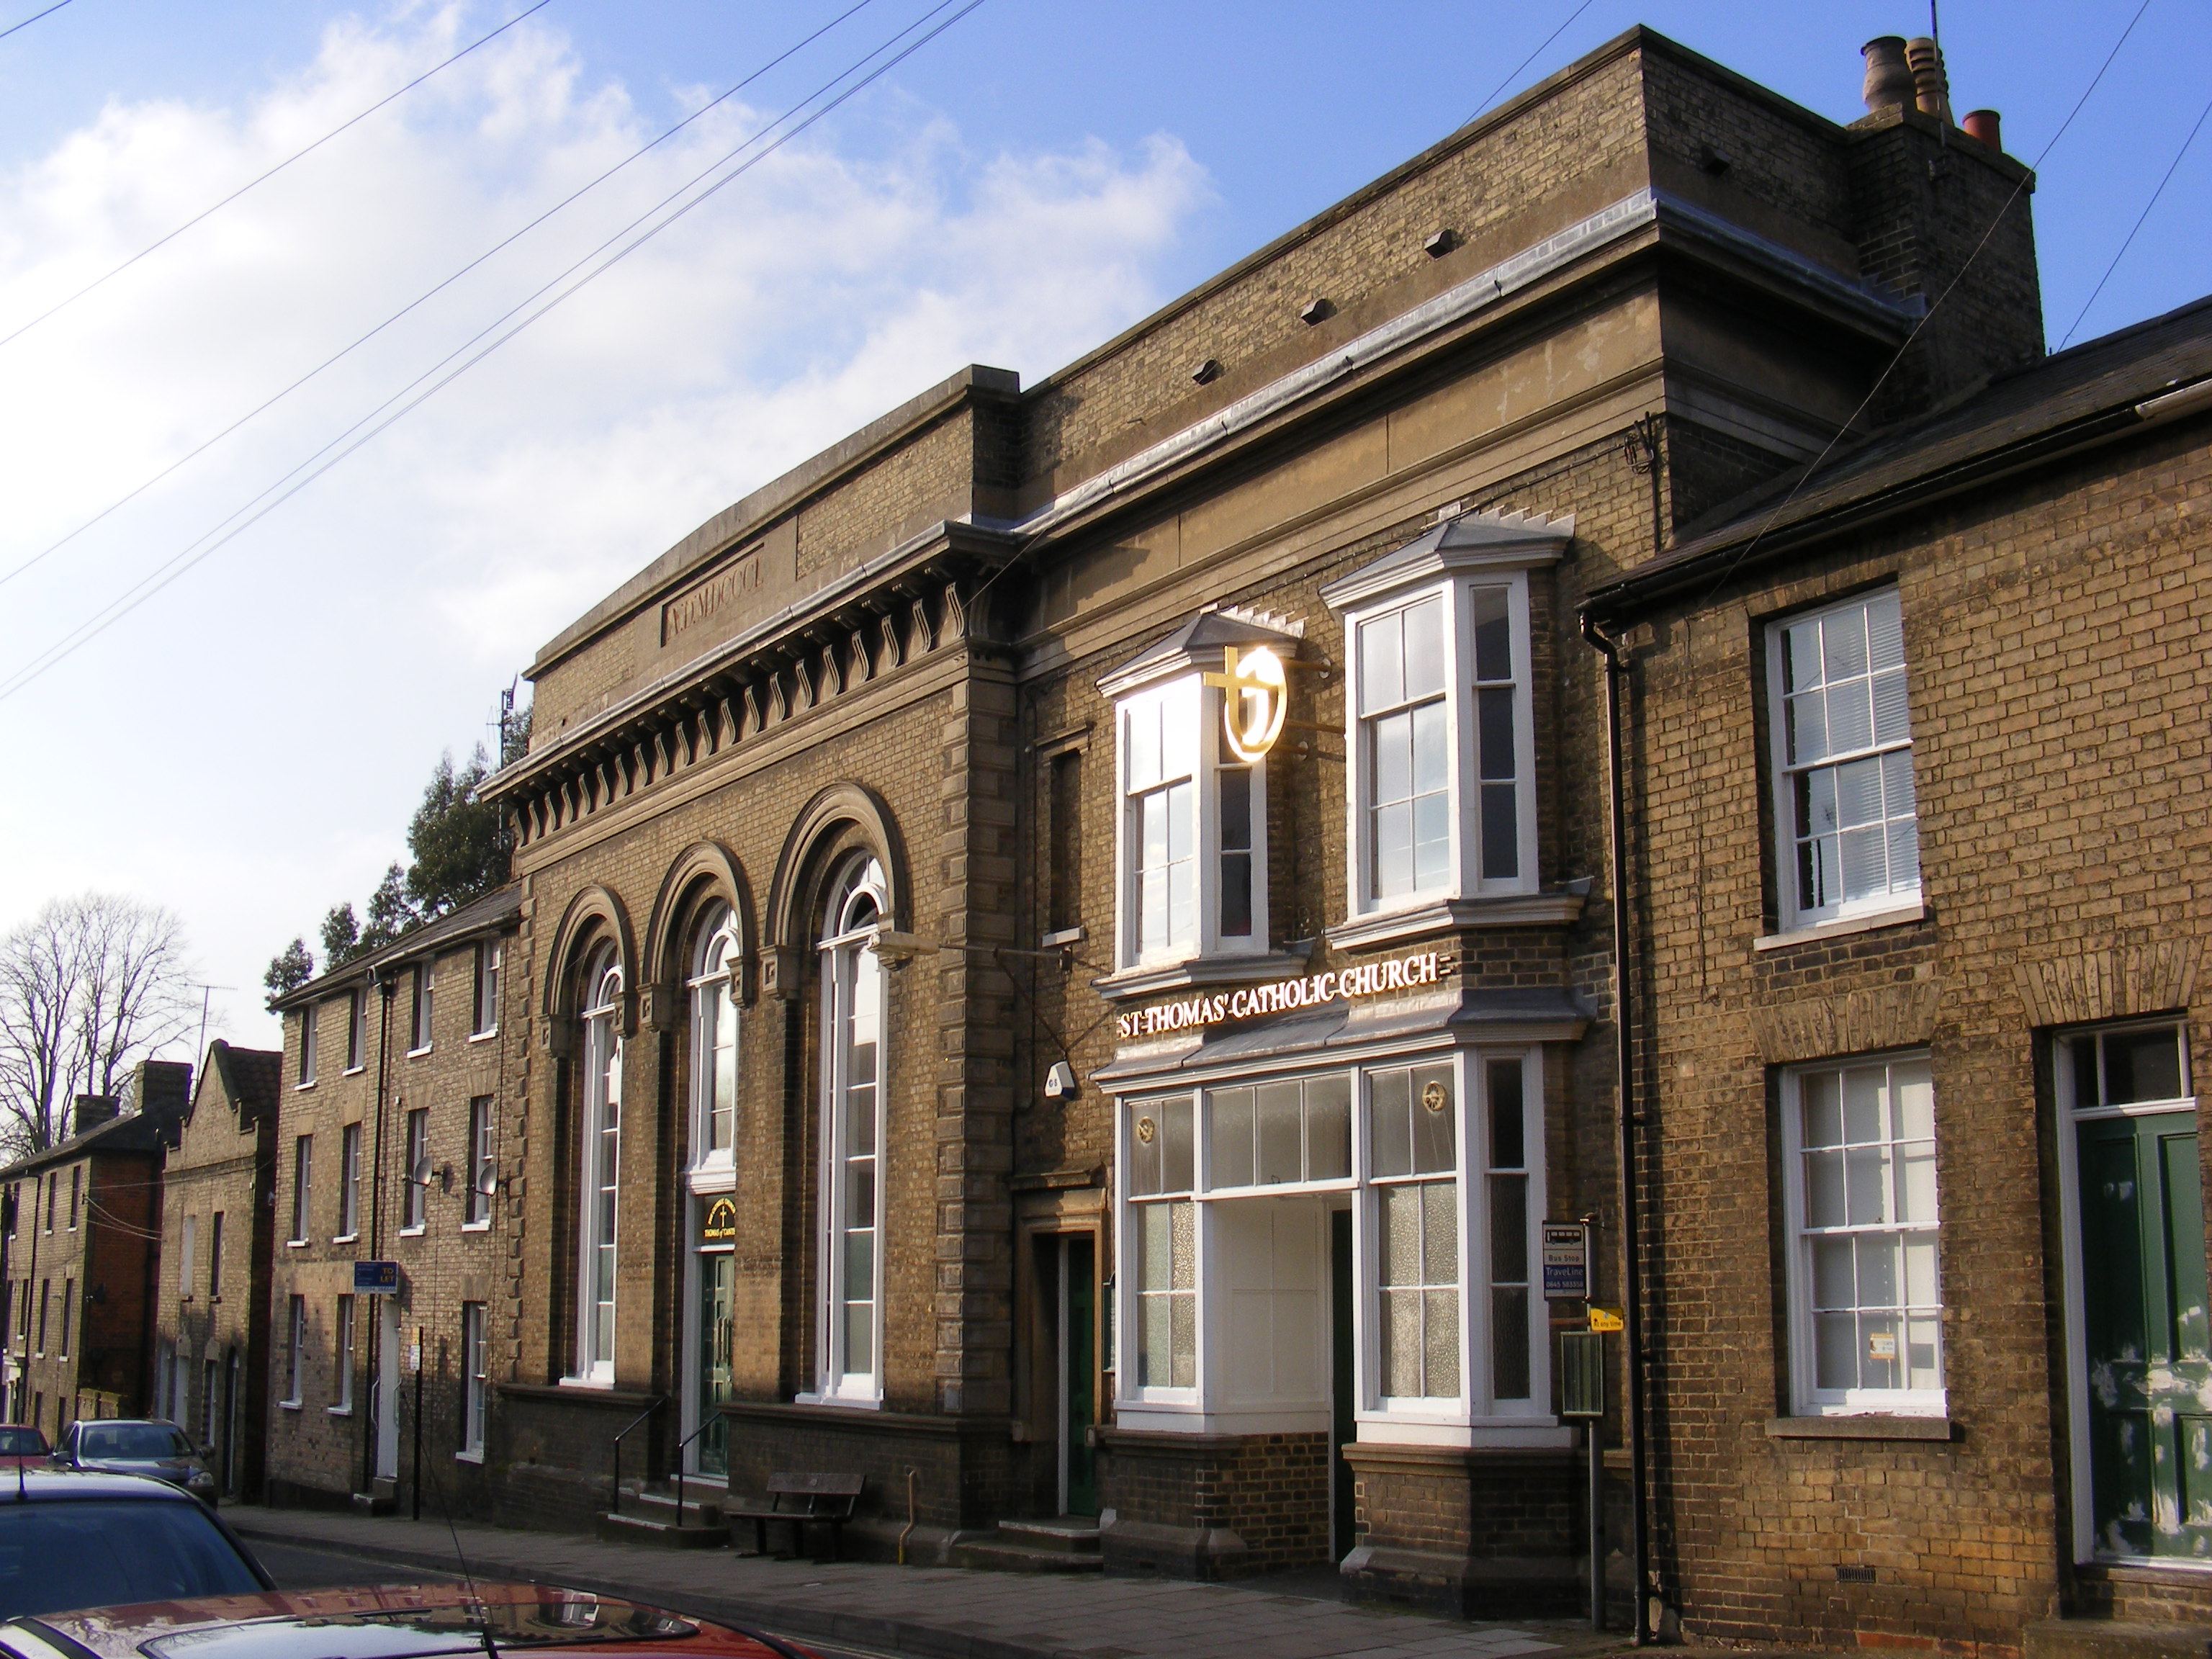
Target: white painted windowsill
<point x="1866" y="923"/>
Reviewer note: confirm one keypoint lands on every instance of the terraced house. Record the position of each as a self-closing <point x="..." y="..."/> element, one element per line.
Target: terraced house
<point x="1070" y="938"/>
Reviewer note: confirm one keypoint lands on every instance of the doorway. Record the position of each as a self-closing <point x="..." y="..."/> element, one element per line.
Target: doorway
<point x="712" y="1384"/>
<point x="1076" y="1320"/>
<point x="1343" y="1425"/>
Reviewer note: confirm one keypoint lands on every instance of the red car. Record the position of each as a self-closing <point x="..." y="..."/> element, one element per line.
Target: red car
<point x="22" y="1448"/>
<point x="411" y="1622"/>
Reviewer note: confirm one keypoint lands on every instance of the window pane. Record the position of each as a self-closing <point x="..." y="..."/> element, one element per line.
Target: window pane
<point x="1391" y="1132"/>
<point x="859" y="1338"/>
<point x="1843" y="645"/>
<point x="1509" y="1229"/>
<point x="1436" y="1142"/>
<point x="1885" y="618"/>
<point x="1863" y="1092"/>
<point x="1328" y="1127"/>
<point x="1824" y="1189"/>
<point x="1392" y="750"/>
<point x="1509" y="1342"/>
<point x="1431" y="841"/>
<point x="2142" y="1066"/>
<point x="1494" y="731"/>
<point x="1440" y="1356"/>
<point x="1431" y="739"/>
<point x="1834" y="1280"/>
<point x="1281" y="1132"/>
<point x="1820" y="1096"/>
<point x="1892" y="722"/>
<point x="1145" y="1149"/>
<point x="1399" y="1234"/>
<point x="1801" y="659"/>
<point x="1439" y="1231"/>
<point x="1850" y="717"/>
<point x="860" y="1193"/>
<point x="1506" y="1137"/>
<point x="1231" y="1147"/>
<point x="1237" y="895"/>
<point x="1401" y="1343"/>
<point x="1424" y="649"/>
<point x="1501" y="832"/>
<point x="1183" y="1219"/>
<point x="1807" y="725"/>
<point x="1836" y="1350"/>
<point x="1143" y="744"/>
<point x="1179" y="731"/>
<point x="1493" y="634"/>
<point x="1864" y="1168"/>
<point x="1175" y="1162"/>
<point x="1382" y="664"/>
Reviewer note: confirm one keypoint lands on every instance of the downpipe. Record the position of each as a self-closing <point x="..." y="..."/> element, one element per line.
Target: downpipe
<point x="906" y="1531"/>
<point x="1616" y="674"/>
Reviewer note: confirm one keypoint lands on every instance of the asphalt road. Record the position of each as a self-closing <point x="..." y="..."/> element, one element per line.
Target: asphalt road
<point x="295" y="1568"/>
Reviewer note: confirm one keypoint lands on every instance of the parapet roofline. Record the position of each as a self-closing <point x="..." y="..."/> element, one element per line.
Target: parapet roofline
<point x="754" y="513"/>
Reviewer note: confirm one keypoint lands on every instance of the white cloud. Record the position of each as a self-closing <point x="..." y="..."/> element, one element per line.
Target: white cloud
<point x="247" y="747"/>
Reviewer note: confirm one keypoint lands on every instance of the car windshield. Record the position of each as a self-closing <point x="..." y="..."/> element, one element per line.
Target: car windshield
<point x="132" y="1441"/>
<point x="92" y="1552"/>
<point x="21" y="1443"/>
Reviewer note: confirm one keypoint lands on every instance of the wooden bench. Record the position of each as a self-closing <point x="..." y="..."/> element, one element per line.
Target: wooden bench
<point x="824" y="1499"/>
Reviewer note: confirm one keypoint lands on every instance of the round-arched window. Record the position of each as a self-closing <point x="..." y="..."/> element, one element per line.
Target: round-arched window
<point x="715" y="1040"/>
<point x="599" y="1163"/>
<point x="853" y="1076"/>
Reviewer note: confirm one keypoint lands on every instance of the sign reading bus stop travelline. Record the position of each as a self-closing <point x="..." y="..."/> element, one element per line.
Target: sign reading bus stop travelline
<point x="1566" y="1261"/>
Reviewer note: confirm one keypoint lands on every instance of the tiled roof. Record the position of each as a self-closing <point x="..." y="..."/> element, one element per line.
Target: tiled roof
<point x="493" y="910"/>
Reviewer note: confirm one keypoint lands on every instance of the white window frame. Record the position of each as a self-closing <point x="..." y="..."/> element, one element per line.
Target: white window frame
<point x="1790" y="913"/>
<point x="482" y="1166"/>
<point x="296" y="1355"/>
<point x="303" y="1181"/>
<point x="1464" y="877"/>
<point x="415" y="1186"/>
<point x="341" y="1357"/>
<point x="421" y="1007"/>
<point x="483" y="1005"/>
<point x="712" y="986"/>
<point x="349" y="1184"/>
<point x="600" y="1124"/>
<point x="357" y="1031"/>
<point x="473" y="1390"/>
<point x="1201" y="704"/>
<point x="1806" y="1398"/>
<point x="1130" y="1235"/>
<point x="310" y="1019"/>
<point x="859" y="906"/>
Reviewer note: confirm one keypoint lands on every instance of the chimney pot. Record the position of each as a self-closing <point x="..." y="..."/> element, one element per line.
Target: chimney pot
<point x="1982" y="123"/>
<point x="1931" y="86"/>
<point x="1888" y="76"/>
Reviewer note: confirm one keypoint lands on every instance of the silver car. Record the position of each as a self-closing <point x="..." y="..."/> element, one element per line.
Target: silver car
<point x="126" y="1446"/>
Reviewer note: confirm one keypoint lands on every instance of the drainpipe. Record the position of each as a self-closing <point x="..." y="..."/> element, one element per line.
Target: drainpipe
<point x="372" y="1420"/>
<point x="1616" y="672"/>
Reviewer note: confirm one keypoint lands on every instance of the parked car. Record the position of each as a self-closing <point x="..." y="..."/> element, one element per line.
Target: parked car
<point x="413" y="1621"/>
<point x="21" y="1446"/>
<point x="88" y="1541"/>
<point x="123" y="1445"/>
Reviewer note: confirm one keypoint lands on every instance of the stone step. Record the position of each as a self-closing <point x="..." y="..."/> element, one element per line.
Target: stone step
<point x="2114" y="1638"/>
<point x="626" y="1529"/>
<point x="1006" y="1551"/>
<point x="701" y="1500"/>
<point x="1071" y="1534"/>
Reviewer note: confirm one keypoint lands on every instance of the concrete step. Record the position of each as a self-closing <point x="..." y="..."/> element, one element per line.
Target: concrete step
<point x="1007" y="1552"/>
<point x="627" y="1528"/>
<point x="2114" y="1639"/>
<point x="702" y="1501"/>
<point x="1071" y="1535"/>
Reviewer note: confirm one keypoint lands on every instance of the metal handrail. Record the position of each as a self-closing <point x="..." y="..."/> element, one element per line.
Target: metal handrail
<point x="714" y="1415"/>
<point x="658" y="1403"/>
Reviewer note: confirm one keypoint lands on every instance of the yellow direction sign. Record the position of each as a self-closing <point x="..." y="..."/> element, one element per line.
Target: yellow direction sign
<point x="1607" y="1319"/>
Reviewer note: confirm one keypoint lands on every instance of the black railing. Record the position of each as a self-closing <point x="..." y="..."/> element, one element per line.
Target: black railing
<point x="713" y="1418"/>
<point x="636" y="1422"/>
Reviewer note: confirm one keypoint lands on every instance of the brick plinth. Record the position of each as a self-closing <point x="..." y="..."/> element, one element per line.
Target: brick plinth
<point x="1214" y="1506"/>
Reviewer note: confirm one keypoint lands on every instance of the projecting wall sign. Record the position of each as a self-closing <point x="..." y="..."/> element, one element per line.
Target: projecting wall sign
<point x="1257" y="695"/>
<point x="1369" y="979"/>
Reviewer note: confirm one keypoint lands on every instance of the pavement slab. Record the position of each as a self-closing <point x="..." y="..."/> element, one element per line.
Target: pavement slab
<point x="930" y="1613"/>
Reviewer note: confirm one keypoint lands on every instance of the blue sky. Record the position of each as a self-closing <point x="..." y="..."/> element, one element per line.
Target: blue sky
<point x="247" y="745"/>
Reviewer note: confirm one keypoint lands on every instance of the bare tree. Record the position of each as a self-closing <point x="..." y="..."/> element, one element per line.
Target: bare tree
<point x="88" y="986"/>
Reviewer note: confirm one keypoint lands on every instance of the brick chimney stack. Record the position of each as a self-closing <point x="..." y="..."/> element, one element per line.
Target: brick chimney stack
<point x="93" y="1110"/>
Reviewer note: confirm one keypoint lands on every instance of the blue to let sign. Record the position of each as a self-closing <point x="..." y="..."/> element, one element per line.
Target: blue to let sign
<point x="376" y="1277"/>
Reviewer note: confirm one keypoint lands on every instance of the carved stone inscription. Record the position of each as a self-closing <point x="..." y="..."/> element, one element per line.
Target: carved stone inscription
<point x="702" y="603"/>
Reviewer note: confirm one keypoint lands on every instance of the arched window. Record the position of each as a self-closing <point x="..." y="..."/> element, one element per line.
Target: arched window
<point x="598" y="1168"/>
<point x="851" y="1133"/>
<point x="714" y="1043"/>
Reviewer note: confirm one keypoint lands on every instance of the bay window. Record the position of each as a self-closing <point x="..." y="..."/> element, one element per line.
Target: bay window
<point x="1164" y="1221"/>
<point x="1842" y="732"/>
<point x="1439" y="718"/>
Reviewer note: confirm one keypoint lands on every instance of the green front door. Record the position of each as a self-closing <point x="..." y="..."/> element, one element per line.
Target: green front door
<point x="1080" y="1371"/>
<point x="2143" y="1326"/>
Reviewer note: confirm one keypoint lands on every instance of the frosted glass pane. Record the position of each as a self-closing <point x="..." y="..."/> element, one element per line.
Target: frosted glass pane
<point x="1399" y="1223"/>
<point x="1401" y="1343"/>
<point x="1390" y="1135"/>
<point x="1157" y="1247"/>
<point x="1144" y="1156"/>
<point x="1184" y="1319"/>
<point x="1439" y="1232"/>
<point x="1155" y="1340"/>
<point x="1175" y="1164"/>
<point x="1183" y="1219"/>
<point x="1232" y="1144"/>
<point x="1328" y="1127"/>
<point x="1281" y="1133"/>
<point x="1440" y="1343"/>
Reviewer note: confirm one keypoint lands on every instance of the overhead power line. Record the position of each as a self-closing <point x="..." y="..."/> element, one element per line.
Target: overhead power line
<point x="301" y="477"/>
<point x="252" y="183"/>
<point x="2171" y="168"/>
<point x="419" y="300"/>
<point x="1530" y="58"/>
<point x="1949" y="287"/>
<point x="33" y="18"/>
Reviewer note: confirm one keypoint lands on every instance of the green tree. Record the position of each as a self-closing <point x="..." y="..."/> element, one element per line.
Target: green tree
<point x="459" y="840"/>
<point x="341" y="935"/>
<point x="389" y="915"/>
<point x="289" y="969"/>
